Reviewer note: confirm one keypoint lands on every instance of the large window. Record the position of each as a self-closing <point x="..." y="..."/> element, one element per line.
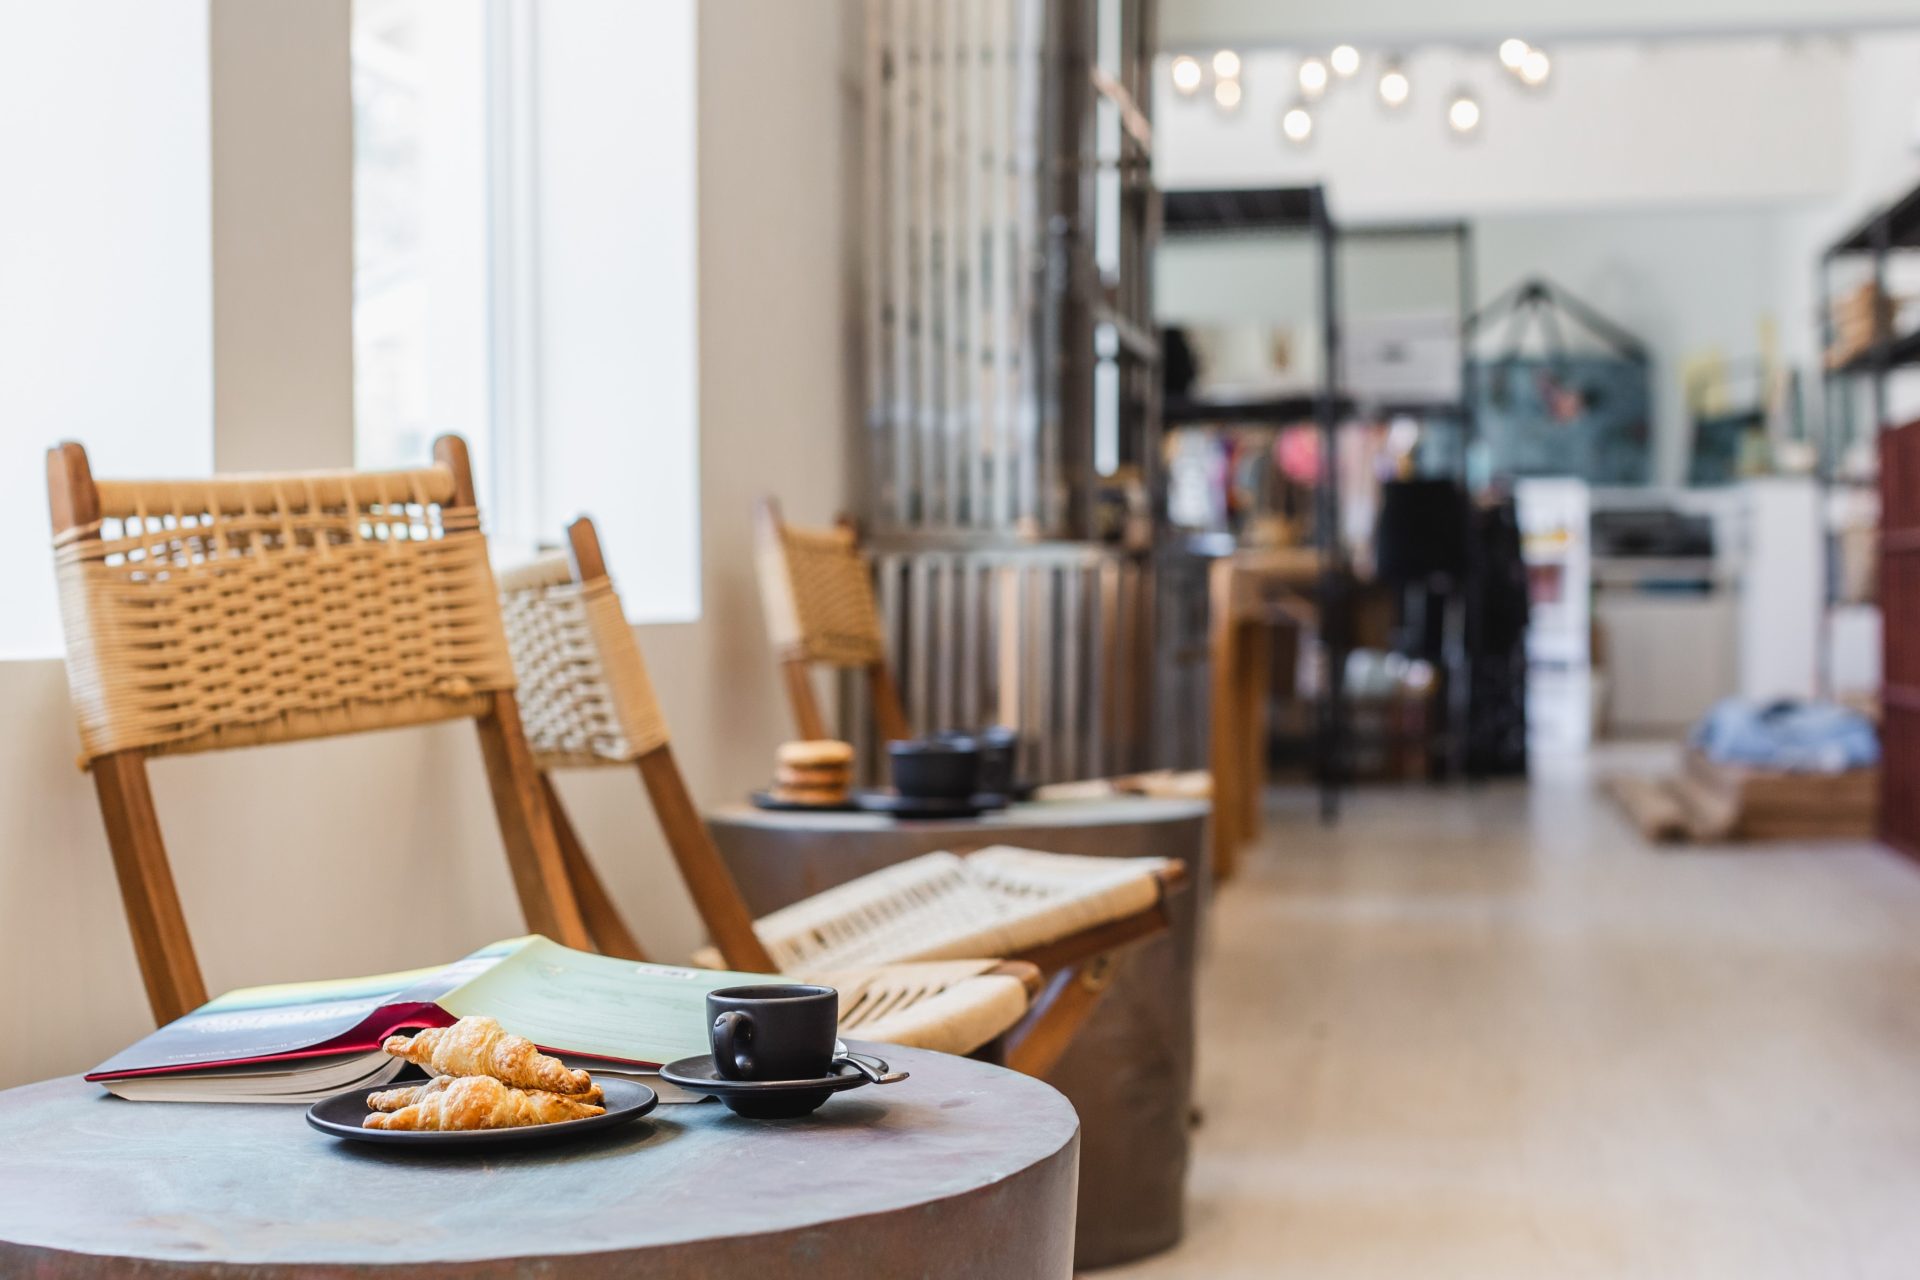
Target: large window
<point x="106" y="298"/>
<point x="524" y="241"/>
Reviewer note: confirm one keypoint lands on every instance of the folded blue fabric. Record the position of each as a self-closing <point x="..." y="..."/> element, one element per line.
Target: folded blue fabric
<point x="1799" y="737"/>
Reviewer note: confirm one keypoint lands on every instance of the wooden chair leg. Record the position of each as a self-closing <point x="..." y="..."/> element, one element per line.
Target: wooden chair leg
<point x="889" y="713"/>
<point x="1225" y="755"/>
<point x="160" y="939"/>
<point x="611" y="937"/>
<point x="712" y="887"/>
<point x="806" y="705"/>
<point x="533" y="851"/>
<point x="1041" y="1039"/>
<point x="1256" y="655"/>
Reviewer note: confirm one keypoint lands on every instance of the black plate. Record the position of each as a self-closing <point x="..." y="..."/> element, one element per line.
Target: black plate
<point x="767" y="800"/>
<point x="926" y="806"/>
<point x="341" y="1115"/>
<point x="764" y="1099"/>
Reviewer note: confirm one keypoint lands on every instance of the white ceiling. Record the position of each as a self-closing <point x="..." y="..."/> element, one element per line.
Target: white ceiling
<point x="1205" y="24"/>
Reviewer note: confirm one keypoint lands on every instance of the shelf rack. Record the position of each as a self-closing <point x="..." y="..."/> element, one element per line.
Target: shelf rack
<point x="1293" y="211"/>
<point x="1893" y="228"/>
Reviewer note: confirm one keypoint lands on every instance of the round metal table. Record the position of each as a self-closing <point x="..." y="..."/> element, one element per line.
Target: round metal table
<point x="965" y="1170"/>
<point x="1130" y="1070"/>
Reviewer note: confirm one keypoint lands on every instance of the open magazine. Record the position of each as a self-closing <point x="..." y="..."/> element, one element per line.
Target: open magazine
<point x="305" y="1041"/>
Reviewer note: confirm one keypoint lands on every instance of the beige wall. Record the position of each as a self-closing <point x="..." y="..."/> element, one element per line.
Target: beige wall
<point x="359" y="855"/>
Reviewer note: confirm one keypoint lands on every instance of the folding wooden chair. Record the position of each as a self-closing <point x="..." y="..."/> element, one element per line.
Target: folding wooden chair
<point x="239" y="610"/>
<point x="589" y="701"/>
<point x="817" y="593"/>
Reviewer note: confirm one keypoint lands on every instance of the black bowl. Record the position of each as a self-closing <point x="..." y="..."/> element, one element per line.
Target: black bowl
<point x="945" y="768"/>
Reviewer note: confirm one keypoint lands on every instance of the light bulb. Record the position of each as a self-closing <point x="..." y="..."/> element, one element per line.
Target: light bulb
<point x="1345" y="60"/>
<point x="1226" y="64"/>
<point x="1535" y="68"/>
<point x="1297" y="124"/>
<point x="1513" y="51"/>
<point x="1226" y="95"/>
<point x="1463" y="113"/>
<point x="1394" y="86"/>
<point x="1187" y="74"/>
<point x="1313" y="76"/>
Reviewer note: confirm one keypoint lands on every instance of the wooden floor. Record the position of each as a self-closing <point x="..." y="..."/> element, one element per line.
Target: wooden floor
<point x="1492" y="1034"/>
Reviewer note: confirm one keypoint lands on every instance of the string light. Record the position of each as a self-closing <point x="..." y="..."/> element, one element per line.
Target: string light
<point x="1394" y="87"/>
<point x="1514" y="51"/>
<point x="1226" y="95"/>
<point x="1226" y="64"/>
<point x="1463" y="112"/>
<point x="1187" y="75"/>
<point x="1345" y="60"/>
<point x="1313" y="76"/>
<point x="1296" y="124"/>
<point x="1535" y="68"/>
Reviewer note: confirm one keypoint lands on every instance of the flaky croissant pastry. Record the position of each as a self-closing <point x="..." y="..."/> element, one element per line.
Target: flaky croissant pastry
<point x="481" y="1102"/>
<point x="407" y="1095"/>
<point x="480" y="1047"/>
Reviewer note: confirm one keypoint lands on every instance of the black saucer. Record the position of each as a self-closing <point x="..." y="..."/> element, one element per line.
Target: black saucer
<point x="764" y="1099"/>
<point x="767" y="800"/>
<point x="927" y="806"/>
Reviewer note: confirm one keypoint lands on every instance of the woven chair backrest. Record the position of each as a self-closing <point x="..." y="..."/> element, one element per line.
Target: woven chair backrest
<point x="585" y="696"/>
<point x="246" y="609"/>
<point x="817" y="590"/>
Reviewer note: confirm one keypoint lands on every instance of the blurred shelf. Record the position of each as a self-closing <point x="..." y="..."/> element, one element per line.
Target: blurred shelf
<point x="1902" y="219"/>
<point x="1901" y="351"/>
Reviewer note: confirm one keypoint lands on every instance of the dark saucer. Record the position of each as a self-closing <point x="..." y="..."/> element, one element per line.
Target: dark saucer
<point x="767" y="800"/>
<point x="766" y="1099"/>
<point x="892" y="802"/>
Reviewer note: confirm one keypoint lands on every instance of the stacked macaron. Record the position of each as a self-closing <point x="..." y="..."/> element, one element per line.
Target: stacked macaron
<point x="819" y="771"/>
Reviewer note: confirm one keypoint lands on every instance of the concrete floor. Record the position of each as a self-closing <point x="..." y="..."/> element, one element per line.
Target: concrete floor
<point x="1491" y="1033"/>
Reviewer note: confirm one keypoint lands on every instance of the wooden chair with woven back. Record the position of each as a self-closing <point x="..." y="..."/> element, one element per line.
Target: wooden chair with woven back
<point x="235" y="611"/>
<point x="816" y="591"/>
<point x="589" y="702"/>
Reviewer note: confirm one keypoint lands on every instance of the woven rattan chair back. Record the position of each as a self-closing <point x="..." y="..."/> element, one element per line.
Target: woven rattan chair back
<point x="240" y="610"/>
<point x="589" y="701"/>
<point x="816" y="589"/>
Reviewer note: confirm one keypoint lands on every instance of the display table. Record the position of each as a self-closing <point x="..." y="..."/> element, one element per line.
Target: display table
<point x="965" y="1170"/>
<point x="1130" y="1070"/>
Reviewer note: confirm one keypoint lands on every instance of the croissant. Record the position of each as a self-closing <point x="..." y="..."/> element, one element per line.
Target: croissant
<point x="481" y="1102"/>
<point x="407" y="1095"/>
<point x="479" y="1047"/>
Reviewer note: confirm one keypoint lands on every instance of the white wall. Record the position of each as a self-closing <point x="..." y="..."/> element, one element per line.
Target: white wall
<point x="363" y="854"/>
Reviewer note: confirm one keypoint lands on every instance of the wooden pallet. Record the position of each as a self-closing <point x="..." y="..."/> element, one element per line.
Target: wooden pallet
<point x="1708" y="802"/>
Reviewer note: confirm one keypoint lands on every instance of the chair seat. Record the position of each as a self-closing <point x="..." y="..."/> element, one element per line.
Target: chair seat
<point x="952" y="1006"/>
<point x="999" y="901"/>
<point x="949" y="1006"/>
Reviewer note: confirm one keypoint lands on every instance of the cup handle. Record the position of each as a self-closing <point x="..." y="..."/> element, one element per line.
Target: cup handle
<point x="732" y="1032"/>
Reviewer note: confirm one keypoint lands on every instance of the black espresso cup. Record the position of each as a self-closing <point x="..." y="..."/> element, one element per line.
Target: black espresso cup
<point x="935" y="768"/>
<point x="781" y="1031"/>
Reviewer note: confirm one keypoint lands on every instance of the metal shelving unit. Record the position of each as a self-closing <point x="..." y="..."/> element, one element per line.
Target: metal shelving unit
<point x="1294" y="211"/>
<point x="1894" y="228"/>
